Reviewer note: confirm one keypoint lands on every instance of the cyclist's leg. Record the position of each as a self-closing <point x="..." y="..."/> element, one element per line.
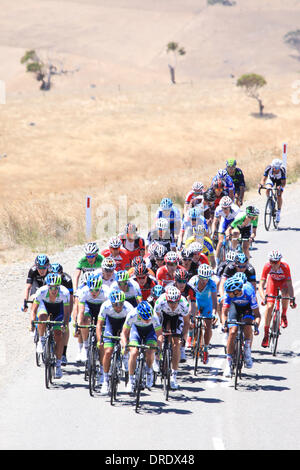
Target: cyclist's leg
<point x="285" y="303"/>
<point x="235" y="235"/>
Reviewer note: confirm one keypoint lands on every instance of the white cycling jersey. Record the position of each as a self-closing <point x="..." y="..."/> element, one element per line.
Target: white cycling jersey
<point x="133" y="318"/>
<point x="162" y="307"/>
<point x="108" y="310"/>
<point x="42" y="296"/>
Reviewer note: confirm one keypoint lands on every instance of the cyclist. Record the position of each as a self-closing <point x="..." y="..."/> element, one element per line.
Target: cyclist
<point x="194" y="197"/>
<point x="240" y="264"/>
<point x="207" y="244"/>
<point x="206" y="298"/>
<point x="90" y="299"/>
<point x="277" y="275"/>
<point x="141" y="326"/>
<point x="52" y="301"/>
<point x="162" y="235"/>
<point x="130" y="287"/>
<point x="191" y="221"/>
<point x="275" y="176"/>
<point x="186" y="261"/>
<point x="133" y="243"/>
<point x="116" y="251"/>
<point x="173" y="311"/>
<point x="108" y="273"/>
<point x="66" y="281"/>
<point x="225" y="213"/>
<point x="168" y="211"/>
<point x="112" y="315"/>
<point x="244" y="225"/>
<point x="227" y="180"/>
<point x="157" y="259"/>
<point x="240" y="304"/>
<point x="165" y="274"/>
<point x="77" y="334"/>
<point x="36" y="277"/>
<point x="198" y="257"/>
<point x="89" y="262"/>
<point x="156" y="292"/>
<point x="238" y="179"/>
<point x="144" y="279"/>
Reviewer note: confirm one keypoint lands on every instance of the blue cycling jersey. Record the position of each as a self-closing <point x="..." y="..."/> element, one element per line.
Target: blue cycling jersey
<point x="248" y="297"/>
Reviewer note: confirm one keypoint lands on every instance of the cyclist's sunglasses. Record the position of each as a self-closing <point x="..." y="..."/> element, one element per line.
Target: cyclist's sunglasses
<point x="274" y="262"/>
<point x="53" y="288"/>
<point x="236" y="293"/>
<point x="171" y="264"/>
<point x="141" y="277"/>
<point x="181" y="281"/>
<point x="91" y="256"/>
<point x="95" y="290"/>
<point x="241" y="266"/>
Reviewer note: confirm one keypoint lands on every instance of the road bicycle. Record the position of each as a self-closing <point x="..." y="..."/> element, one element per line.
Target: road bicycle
<point x="274" y="330"/>
<point x="115" y="372"/>
<point x="140" y="372"/>
<point x="49" y="350"/>
<point x="238" y="358"/>
<point x="271" y="207"/>
<point x="166" y="362"/>
<point x="198" y="343"/>
<point x="91" y="370"/>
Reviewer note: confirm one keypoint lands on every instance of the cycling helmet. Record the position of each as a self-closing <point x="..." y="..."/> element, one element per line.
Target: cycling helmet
<point x="241" y="276"/>
<point x="276" y="163"/>
<point x="196" y="247"/>
<point x="161" y="224"/>
<point x="218" y="184"/>
<point x="181" y="274"/>
<point x="144" y="310"/>
<point x="56" y="268"/>
<point x="197" y="187"/>
<point x="230" y="162"/>
<point x="130" y="228"/>
<point x="117" y="296"/>
<point x="194" y="212"/>
<point x="230" y="255"/>
<point x="53" y="279"/>
<point x="86" y="275"/>
<point x="137" y="260"/>
<point x="41" y="261"/>
<point x="222" y="173"/>
<point x="225" y="201"/>
<point x="122" y="276"/>
<point x="171" y="257"/>
<point x="157" y="291"/>
<point x="199" y="230"/>
<point x="91" y="248"/>
<point x="275" y="255"/>
<point x="209" y="195"/>
<point x="233" y="284"/>
<point x="240" y="258"/>
<point x="186" y="253"/>
<point x="94" y="282"/>
<point x="152" y="247"/>
<point x="141" y="270"/>
<point x="109" y="264"/>
<point x="115" y="242"/>
<point x="166" y="203"/>
<point x="172" y="294"/>
<point x="252" y="211"/>
<point x="205" y="271"/>
<point x="160" y="252"/>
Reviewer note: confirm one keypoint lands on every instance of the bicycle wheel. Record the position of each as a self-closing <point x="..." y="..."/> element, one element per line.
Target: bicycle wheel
<point x="49" y="362"/>
<point x="197" y="349"/>
<point x="268" y="213"/>
<point x="275" y="332"/>
<point x="238" y="368"/>
<point x="166" y="372"/>
<point x="113" y="378"/>
<point x="38" y="356"/>
<point x="275" y="223"/>
<point x="138" y="384"/>
<point x="92" y="371"/>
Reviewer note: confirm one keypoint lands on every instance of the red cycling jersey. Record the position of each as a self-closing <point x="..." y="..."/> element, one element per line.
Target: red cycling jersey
<point x="281" y="274"/>
<point x="122" y="260"/>
<point x="163" y="276"/>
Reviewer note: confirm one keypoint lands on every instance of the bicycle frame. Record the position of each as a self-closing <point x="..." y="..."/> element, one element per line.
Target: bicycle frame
<point x="274" y="330"/>
<point x="271" y="207"/>
<point x="140" y="370"/>
<point x="90" y="371"/>
<point x="198" y="341"/>
<point x="115" y="368"/>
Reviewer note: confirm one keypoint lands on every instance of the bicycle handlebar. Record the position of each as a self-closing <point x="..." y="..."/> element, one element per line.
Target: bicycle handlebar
<point x="47" y="322"/>
<point x="142" y="346"/>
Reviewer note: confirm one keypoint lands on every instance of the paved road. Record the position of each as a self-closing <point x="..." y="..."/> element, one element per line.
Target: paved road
<point x="206" y="413"/>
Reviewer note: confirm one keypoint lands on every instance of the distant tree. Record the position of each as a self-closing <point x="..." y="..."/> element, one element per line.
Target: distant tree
<point x="175" y="50"/>
<point x="252" y="83"/>
<point x="43" y="69"/>
<point x="293" y="39"/>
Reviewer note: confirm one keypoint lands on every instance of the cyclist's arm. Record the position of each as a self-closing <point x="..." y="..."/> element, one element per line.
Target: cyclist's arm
<point x="99" y="328"/>
<point x="33" y="312"/>
<point x="76" y="278"/>
<point x="81" y="310"/>
<point x="261" y="288"/>
<point x="290" y="288"/>
<point x="125" y="335"/>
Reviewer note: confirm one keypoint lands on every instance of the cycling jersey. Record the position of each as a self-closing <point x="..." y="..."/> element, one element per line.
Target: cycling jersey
<point x="163" y="276"/>
<point x="247" y="299"/>
<point x="35" y="279"/>
<point x="133" y="248"/>
<point x="170" y="319"/>
<point x="283" y="273"/>
<point x="204" y="296"/>
<point x="239" y="221"/>
<point x="114" y="321"/>
<point x="66" y="281"/>
<point x="133" y="292"/>
<point x="231" y="269"/>
<point x="226" y="219"/>
<point x="146" y="288"/>
<point x="172" y="215"/>
<point x="111" y="282"/>
<point x="84" y="265"/>
<point x="227" y="180"/>
<point x="141" y="331"/>
<point x="168" y="239"/>
<point x="188" y="226"/>
<point x="56" y="308"/>
<point x="277" y="178"/>
<point x="208" y="246"/>
<point x="238" y="179"/>
<point x="92" y="305"/>
<point x="122" y="259"/>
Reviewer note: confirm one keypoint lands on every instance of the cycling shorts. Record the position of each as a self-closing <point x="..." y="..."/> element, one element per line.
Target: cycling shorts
<point x="174" y="323"/>
<point x="274" y="183"/>
<point x="240" y="313"/>
<point x="273" y="286"/>
<point x="224" y="223"/>
<point x="145" y="334"/>
<point x="56" y="312"/>
<point x="113" y="327"/>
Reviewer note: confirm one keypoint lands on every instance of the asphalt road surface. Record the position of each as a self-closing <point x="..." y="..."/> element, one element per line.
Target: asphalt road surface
<point x="205" y="413"/>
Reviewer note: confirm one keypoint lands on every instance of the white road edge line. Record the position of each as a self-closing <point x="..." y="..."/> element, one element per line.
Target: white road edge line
<point x="218" y="443"/>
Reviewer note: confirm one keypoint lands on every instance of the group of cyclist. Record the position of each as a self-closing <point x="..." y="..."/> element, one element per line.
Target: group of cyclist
<point x="138" y="288"/>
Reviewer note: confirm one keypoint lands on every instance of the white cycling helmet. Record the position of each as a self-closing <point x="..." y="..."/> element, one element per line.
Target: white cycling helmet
<point x="225" y="201"/>
<point x="276" y="163"/>
<point x="205" y="271"/>
<point x="196" y="247"/>
<point x="161" y="224"/>
<point x="91" y="248"/>
<point x="172" y="294"/>
<point x="171" y="257"/>
<point x="199" y="230"/>
<point x="230" y="255"/>
<point x="275" y="255"/>
<point x="109" y="264"/>
<point x="222" y="173"/>
<point x="115" y="242"/>
<point x="198" y="187"/>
